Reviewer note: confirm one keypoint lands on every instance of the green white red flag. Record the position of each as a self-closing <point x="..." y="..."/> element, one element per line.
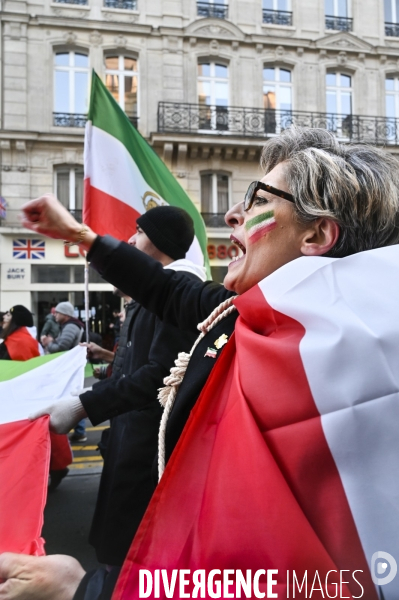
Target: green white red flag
<point x="124" y="176"/>
<point x="25" y="388"/>
<point x="290" y="458"/>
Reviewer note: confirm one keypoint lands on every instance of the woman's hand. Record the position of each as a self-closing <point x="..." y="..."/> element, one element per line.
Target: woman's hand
<point x="23" y="577"/>
<point x="48" y="216"/>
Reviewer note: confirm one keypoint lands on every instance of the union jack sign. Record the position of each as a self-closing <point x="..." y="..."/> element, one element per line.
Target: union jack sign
<point x="34" y="249"/>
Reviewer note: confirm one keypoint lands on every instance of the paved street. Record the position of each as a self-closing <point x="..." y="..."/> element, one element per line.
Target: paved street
<point x="69" y="509"/>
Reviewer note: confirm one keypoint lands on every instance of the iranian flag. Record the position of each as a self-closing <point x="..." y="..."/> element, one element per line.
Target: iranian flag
<point x="290" y="459"/>
<point x="124" y="176"/>
<point x="25" y="388"/>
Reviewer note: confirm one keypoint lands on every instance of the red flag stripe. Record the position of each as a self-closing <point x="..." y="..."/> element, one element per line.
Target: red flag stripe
<point x="26" y="445"/>
<point x="252" y="483"/>
<point x="105" y="213"/>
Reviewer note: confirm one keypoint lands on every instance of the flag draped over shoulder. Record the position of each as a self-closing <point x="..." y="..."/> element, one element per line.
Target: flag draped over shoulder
<point x="290" y="458"/>
<point x="25" y="387"/>
<point x="124" y="176"/>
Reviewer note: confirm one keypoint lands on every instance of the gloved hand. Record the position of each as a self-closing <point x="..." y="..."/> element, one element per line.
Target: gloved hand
<point x="64" y="415"/>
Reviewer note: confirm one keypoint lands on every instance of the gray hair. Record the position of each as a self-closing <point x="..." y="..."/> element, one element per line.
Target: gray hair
<point x="355" y="185"/>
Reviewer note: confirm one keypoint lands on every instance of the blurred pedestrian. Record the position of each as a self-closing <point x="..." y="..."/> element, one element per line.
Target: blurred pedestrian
<point x="1" y="320"/>
<point x="18" y="343"/>
<point x="116" y="325"/>
<point x="71" y="333"/>
<point x="51" y="327"/>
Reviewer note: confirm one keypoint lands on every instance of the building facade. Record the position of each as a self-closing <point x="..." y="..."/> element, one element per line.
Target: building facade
<point x="205" y="82"/>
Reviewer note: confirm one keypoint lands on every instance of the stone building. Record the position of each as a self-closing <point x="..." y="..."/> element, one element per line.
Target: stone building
<point x="205" y="82"/>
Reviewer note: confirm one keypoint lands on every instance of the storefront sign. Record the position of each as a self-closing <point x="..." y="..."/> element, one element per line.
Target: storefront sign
<point x="16" y="273"/>
<point x="222" y="251"/>
<point x="72" y="253"/>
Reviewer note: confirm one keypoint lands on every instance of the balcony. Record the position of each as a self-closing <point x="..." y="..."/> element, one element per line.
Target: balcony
<point x="210" y="9"/>
<point x="392" y="29"/>
<point x="123" y="4"/>
<point x="74" y="120"/>
<point x="259" y="123"/>
<point x="69" y="120"/>
<point x="277" y="17"/>
<point x="214" y="219"/>
<point x="81" y="2"/>
<point x="339" y="23"/>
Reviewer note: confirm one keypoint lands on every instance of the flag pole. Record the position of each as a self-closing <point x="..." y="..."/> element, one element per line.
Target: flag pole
<point x="87" y="300"/>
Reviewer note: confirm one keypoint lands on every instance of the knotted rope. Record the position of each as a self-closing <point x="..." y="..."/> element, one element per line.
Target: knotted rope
<point x="167" y="394"/>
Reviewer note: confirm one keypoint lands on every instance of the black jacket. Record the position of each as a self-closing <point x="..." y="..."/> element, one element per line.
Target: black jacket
<point x="178" y="301"/>
<point x="126" y="483"/>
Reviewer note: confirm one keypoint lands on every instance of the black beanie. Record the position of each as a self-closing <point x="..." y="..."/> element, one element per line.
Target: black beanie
<point x="21" y="316"/>
<point x="170" y="229"/>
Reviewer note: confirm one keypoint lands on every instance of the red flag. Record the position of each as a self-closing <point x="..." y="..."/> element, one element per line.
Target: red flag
<point x="24" y="459"/>
<point x="288" y="459"/>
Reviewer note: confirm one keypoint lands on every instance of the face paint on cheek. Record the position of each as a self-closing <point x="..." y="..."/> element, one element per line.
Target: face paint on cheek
<point x="260" y="226"/>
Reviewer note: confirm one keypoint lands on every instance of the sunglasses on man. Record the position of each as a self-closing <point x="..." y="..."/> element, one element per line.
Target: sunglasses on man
<point x="258" y="185"/>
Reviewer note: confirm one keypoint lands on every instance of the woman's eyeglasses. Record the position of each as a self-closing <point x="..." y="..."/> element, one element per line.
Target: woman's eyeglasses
<point x="258" y="185"/>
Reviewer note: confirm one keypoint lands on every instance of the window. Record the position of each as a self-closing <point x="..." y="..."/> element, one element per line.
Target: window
<point x="209" y="8"/>
<point x="213" y="92"/>
<point x="62" y="274"/>
<point x="215" y="192"/>
<point x="277" y="98"/>
<point x="121" y="79"/>
<point x="69" y="188"/>
<point x="392" y="96"/>
<point x="339" y="103"/>
<point x="391" y="107"/>
<point x="277" y="12"/>
<point x="391" y="12"/>
<point x="71" y="88"/>
<point x="123" y="4"/>
<point x="337" y="16"/>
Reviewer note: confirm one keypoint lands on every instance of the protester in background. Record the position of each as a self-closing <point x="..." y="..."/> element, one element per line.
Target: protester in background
<point x="146" y="349"/>
<point x="1" y="320"/>
<point x="50" y="328"/>
<point x="71" y="330"/>
<point x="71" y="333"/>
<point x="116" y="325"/>
<point x="18" y="343"/>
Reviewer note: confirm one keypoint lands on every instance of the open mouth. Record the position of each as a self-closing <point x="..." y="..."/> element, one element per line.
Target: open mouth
<point x="241" y="246"/>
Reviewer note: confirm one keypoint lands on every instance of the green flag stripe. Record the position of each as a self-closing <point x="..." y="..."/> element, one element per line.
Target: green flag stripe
<point x="258" y="219"/>
<point x="9" y="369"/>
<point x="106" y="114"/>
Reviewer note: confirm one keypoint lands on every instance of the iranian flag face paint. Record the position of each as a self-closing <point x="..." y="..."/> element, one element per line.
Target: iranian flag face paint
<point x="258" y="226"/>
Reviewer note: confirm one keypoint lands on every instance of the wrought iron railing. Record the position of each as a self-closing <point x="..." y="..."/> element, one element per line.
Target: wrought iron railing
<point x="339" y="23"/>
<point x="74" y="120"/>
<point x="210" y="9"/>
<point x="69" y="120"/>
<point x="277" y="17"/>
<point x="82" y="2"/>
<point x="392" y="29"/>
<point x="214" y="219"/>
<point x="257" y="122"/>
<point x="124" y="4"/>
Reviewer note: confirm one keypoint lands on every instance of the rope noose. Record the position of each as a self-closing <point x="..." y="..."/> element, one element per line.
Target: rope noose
<point x="167" y="394"/>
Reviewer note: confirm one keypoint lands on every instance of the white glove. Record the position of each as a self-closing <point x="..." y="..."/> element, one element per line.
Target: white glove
<point x="63" y="415"/>
<point x="79" y="391"/>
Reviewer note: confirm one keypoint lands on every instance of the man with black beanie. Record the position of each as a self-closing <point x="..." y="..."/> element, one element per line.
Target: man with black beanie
<point x="146" y="352"/>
